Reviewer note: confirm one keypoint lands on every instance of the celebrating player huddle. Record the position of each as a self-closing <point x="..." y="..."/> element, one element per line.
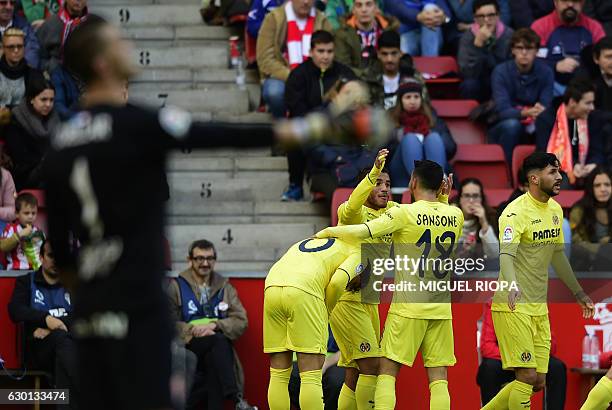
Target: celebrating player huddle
<point x="323" y="280"/>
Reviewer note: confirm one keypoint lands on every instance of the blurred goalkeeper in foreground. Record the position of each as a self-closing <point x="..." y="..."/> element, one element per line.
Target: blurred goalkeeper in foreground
<point x="103" y="189"/>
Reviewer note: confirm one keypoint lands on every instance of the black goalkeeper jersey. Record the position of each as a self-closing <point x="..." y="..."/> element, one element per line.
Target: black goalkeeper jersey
<point x="104" y="182"/>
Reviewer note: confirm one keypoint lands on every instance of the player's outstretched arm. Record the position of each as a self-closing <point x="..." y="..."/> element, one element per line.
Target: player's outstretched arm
<point x="447" y="187"/>
<point x="335" y="288"/>
<point x="564" y="271"/>
<point x="345" y="232"/>
<point x="350" y="211"/>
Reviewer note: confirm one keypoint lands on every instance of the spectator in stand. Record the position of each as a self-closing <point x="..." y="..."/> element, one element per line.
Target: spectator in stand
<point x="384" y="76"/>
<point x="209" y="317"/>
<point x="53" y="34"/>
<point x="563" y="34"/>
<point x="283" y="44"/>
<point x="67" y="91"/>
<point x="463" y="19"/>
<point x="259" y="10"/>
<point x="36" y="11"/>
<point x="600" y="10"/>
<point x="305" y="89"/>
<point x="421" y="27"/>
<point x="358" y="35"/>
<point x="591" y="222"/>
<point x="418" y="136"/>
<point x="600" y="73"/>
<point x="28" y="134"/>
<point x="14" y="72"/>
<point x="573" y="133"/>
<point x="335" y="10"/>
<point x="522" y="90"/>
<point x="479" y="237"/>
<point x="483" y="46"/>
<point x="7" y="191"/>
<point x="525" y="12"/>
<point x="21" y="240"/>
<point x="491" y="376"/>
<point x="8" y="19"/>
<point x="221" y="12"/>
<point x="43" y="305"/>
<point x="333" y="377"/>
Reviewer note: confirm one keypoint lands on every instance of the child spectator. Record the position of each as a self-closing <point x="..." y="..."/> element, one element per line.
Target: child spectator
<point x="417" y="137"/>
<point x="21" y="240"/>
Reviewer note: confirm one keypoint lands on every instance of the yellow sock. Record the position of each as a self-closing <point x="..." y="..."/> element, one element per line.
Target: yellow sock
<point x="500" y="401"/>
<point x="346" y="401"/>
<point x="311" y="390"/>
<point x="384" y="399"/>
<point x="278" y="390"/>
<point x="600" y="396"/>
<point x="439" y="395"/>
<point x="520" y="396"/>
<point x="365" y="391"/>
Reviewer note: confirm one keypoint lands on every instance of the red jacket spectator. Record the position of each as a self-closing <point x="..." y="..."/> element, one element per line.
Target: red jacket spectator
<point x="488" y="340"/>
<point x="561" y="40"/>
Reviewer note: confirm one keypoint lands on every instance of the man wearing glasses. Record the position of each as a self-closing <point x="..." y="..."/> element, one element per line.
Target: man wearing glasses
<point x="522" y="90"/>
<point x="564" y="33"/>
<point x="483" y="46"/>
<point x="8" y="19"/>
<point x="209" y="317"/>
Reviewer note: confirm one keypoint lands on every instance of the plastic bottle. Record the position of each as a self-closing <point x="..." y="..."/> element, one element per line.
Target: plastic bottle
<point x="240" y="74"/>
<point x="595" y="351"/>
<point x="586" y="351"/>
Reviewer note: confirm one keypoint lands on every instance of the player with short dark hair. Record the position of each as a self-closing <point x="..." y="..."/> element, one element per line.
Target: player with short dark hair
<point x="531" y="239"/>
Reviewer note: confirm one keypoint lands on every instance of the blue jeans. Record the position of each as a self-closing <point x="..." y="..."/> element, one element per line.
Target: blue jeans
<point x="422" y="41"/>
<point x="411" y="149"/>
<point x="506" y="133"/>
<point x="273" y="92"/>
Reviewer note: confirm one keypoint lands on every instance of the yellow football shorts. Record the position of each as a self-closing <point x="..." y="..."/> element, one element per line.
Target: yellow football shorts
<point x="524" y="340"/>
<point x="403" y="338"/>
<point x="294" y="320"/>
<point x="356" y="329"/>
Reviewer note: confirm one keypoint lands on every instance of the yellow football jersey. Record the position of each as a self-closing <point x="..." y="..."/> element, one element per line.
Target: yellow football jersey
<point x="354" y="212"/>
<point x="310" y="264"/>
<point x="530" y="231"/>
<point x="421" y="231"/>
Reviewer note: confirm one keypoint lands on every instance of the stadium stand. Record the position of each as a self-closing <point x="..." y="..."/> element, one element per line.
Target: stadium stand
<point x="441" y="75"/>
<point x="482" y="161"/>
<point x="518" y="156"/>
<point x="456" y="115"/>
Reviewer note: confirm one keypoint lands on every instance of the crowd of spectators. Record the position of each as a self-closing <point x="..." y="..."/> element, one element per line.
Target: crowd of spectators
<point x="525" y="62"/>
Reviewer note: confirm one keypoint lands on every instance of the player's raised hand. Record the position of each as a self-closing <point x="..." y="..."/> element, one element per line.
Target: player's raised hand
<point x="587" y="305"/>
<point x="447" y="185"/>
<point x="381" y="157"/>
<point x="513" y="297"/>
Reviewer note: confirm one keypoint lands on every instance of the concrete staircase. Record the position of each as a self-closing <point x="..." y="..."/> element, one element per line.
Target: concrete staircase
<point x="230" y="197"/>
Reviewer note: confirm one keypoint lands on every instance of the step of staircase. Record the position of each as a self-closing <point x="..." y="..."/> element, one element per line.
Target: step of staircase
<point x="214" y="99"/>
<point x="148" y="14"/>
<point x="190" y="75"/>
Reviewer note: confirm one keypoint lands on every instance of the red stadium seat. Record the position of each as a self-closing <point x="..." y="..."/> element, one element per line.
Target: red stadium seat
<point x="496" y="196"/>
<point x="482" y="161"/>
<point x="518" y="156"/>
<point x="456" y="115"/>
<point x="250" y="48"/>
<point x="567" y="198"/>
<point x="433" y="68"/>
<point x="38" y="193"/>
<point x="340" y="195"/>
<point x="406" y="197"/>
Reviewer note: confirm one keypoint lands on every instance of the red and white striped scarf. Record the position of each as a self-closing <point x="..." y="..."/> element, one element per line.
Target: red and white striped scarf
<point x="298" y="41"/>
<point x="70" y="23"/>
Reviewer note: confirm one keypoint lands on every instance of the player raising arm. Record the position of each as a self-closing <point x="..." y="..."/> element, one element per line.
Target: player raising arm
<point x="355" y="322"/>
<point x="423" y="323"/>
<point x="531" y="239"/>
